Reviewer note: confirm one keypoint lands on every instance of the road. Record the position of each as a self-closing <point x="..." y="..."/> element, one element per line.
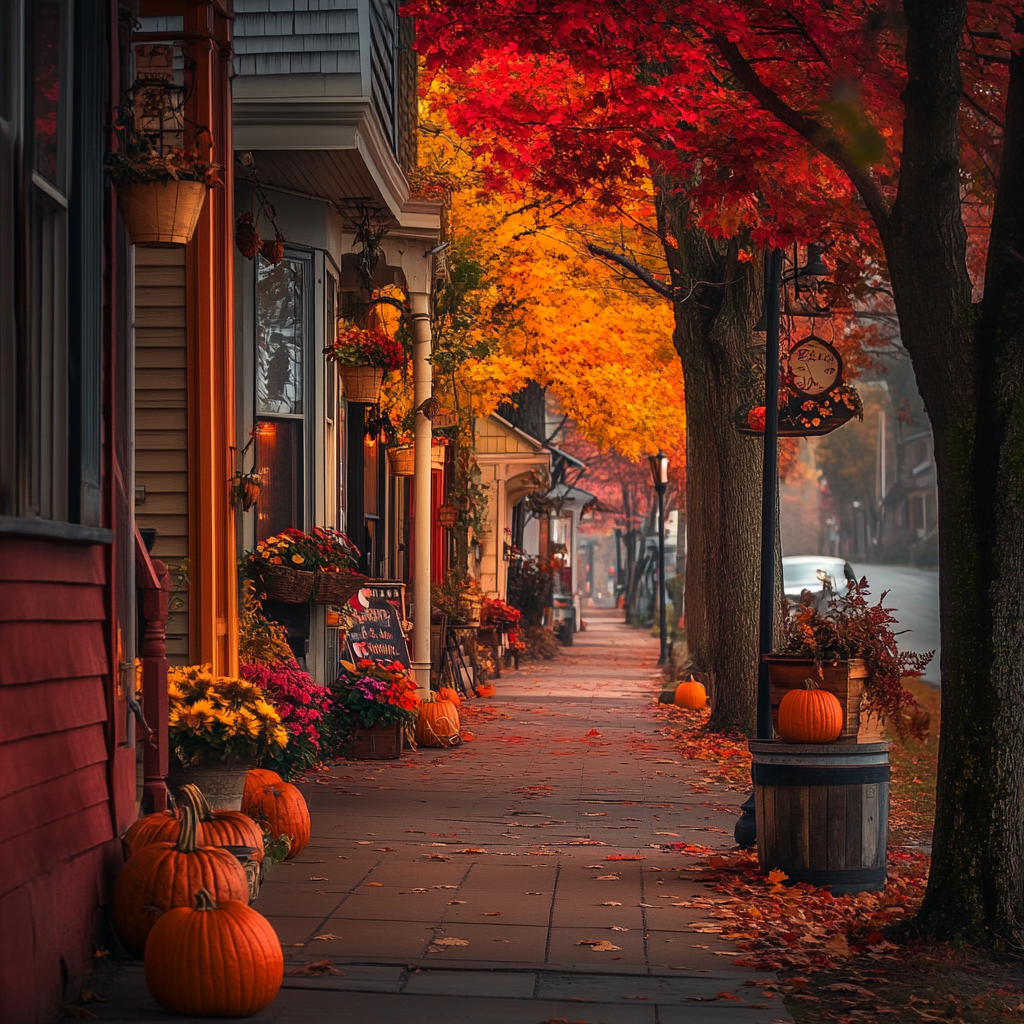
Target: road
<point x="914" y="594"/>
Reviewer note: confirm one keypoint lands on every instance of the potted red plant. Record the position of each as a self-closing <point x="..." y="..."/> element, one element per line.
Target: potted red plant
<point x="364" y="355"/>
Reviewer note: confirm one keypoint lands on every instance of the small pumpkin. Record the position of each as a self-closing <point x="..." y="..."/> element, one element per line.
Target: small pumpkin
<point x="447" y="693"/>
<point x="691" y="694"/>
<point x="283" y="807"/>
<point x="810" y="715"/>
<point x="485" y="689"/>
<point x="437" y="724"/>
<point x="255" y="780"/>
<point x="162" y="876"/>
<point x="213" y="959"/>
<point x="161" y="827"/>
<point x="223" y="828"/>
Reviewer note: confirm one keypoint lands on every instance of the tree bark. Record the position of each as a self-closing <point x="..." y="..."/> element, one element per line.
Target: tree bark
<point x="718" y="299"/>
<point x="970" y="371"/>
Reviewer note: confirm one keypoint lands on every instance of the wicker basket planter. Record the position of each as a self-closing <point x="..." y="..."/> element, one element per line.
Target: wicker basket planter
<point x="162" y="213"/>
<point x="336" y="587"/>
<point x="402" y="461"/>
<point x="362" y="383"/>
<point x="285" y="585"/>
<point x="843" y="679"/>
<point x="471" y="608"/>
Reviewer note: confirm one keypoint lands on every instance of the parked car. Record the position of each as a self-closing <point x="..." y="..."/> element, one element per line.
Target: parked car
<point x="819" y="574"/>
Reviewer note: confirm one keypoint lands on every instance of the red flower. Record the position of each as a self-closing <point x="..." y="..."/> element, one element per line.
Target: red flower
<point x="755" y="418"/>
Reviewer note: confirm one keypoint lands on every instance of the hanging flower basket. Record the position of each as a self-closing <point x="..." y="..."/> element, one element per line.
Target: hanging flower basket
<point x="161" y="213"/>
<point x="362" y="383"/>
<point x="337" y="587"/>
<point x="286" y="585"/>
<point x="402" y="461"/>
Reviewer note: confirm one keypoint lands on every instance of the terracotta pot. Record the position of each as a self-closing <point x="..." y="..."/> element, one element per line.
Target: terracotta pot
<point x="162" y="213"/>
<point x="362" y="383"/>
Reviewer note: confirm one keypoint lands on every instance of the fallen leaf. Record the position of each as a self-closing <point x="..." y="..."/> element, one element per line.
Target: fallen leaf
<point x="450" y="942"/>
<point x="611" y="903"/>
<point x="318" y="878"/>
<point x="608" y="878"/>
<point x="711" y="999"/>
<point x="326" y="937"/>
<point x="623" y="856"/>
<point x="472" y="849"/>
<point x="492" y="913"/>
<point x="617" y="928"/>
<point x="452" y="903"/>
<point x="364" y="842"/>
<point x="375" y="885"/>
<point x="776" y="876"/>
<point x="598" y="945"/>
<point x="317" y="967"/>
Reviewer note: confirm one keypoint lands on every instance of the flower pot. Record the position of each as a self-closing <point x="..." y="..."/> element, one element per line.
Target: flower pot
<point x="221" y="782"/>
<point x="377" y="743"/>
<point x="286" y="585"/>
<point x="162" y="213"/>
<point x="336" y="587"/>
<point x="362" y="383"/>
<point x="843" y="679"/>
<point x="402" y="461"/>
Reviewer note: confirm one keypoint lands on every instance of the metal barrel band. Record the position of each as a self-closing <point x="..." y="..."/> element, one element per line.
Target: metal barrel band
<point x="838" y="877"/>
<point x="800" y="775"/>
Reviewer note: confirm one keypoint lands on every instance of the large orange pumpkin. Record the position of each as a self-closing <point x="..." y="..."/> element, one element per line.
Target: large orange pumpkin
<point x="162" y="827"/>
<point x="447" y="693"/>
<point x="162" y="876"/>
<point x="437" y="724"/>
<point x="284" y="809"/>
<point x="255" y="780"/>
<point x="691" y="694"/>
<point x="214" y="959"/>
<point x="810" y="715"/>
<point x="223" y="828"/>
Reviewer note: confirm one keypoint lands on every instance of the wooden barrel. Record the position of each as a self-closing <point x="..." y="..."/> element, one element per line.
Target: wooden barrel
<point x="823" y="812"/>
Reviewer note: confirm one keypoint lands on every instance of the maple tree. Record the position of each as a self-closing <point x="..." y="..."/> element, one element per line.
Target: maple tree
<point x="865" y="126"/>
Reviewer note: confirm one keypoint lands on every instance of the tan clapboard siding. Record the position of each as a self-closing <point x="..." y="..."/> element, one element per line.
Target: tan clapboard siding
<point x="161" y="420"/>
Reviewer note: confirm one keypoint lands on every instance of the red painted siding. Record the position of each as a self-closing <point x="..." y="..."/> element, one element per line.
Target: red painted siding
<point x="58" y="847"/>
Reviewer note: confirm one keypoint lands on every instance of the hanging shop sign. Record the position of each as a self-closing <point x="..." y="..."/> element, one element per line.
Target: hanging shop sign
<point x="813" y="398"/>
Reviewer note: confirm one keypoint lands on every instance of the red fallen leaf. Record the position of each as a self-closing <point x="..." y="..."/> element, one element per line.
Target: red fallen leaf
<point x="593" y="732"/>
<point x="622" y="856"/>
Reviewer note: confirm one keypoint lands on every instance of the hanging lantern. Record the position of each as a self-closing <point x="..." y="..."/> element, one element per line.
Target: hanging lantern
<point x="447" y="516"/>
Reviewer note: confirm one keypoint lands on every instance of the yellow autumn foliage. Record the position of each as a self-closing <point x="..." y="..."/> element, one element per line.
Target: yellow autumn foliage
<point x="549" y="311"/>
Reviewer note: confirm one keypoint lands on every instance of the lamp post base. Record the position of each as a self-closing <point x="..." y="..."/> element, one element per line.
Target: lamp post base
<point x="745" y="831"/>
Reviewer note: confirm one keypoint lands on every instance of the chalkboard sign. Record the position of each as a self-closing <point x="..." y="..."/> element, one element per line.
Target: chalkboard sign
<point x="373" y="621"/>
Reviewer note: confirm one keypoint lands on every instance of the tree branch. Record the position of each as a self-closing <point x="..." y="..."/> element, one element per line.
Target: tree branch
<point x="639" y="272"/>
<point x="814" y="132"/>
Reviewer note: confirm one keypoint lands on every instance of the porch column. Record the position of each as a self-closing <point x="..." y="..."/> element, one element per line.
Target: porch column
<point x="422" y="387"/>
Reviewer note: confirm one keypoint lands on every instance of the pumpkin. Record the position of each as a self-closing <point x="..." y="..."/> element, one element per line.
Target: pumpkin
<point x="485" y="689"/>
<point x="162" y="827"/>
<point x="255" y="780"/>
<point x="810" y="715"/>
<point x="690" y="694"/>
<point x="447" y="693"/>
<point x="213" y="959"/>
<point x="437" y="724"/>
<point x="162" y="876"/>
<point x="284" y="809"/>
<point x="223" y="828"/>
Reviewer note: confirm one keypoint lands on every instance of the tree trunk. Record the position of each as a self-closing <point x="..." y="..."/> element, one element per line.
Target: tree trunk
<point x="970" y="371"/>
<point x="723" y="467"/>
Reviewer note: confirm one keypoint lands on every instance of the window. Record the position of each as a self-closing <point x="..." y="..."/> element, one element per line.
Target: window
<point x="282" y="330"/>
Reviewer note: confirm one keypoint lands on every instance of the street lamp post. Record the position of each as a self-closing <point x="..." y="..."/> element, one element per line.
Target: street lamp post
<point x="659" y="470"/>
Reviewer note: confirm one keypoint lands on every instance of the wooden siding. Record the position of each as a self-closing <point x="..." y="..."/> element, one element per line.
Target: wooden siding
<point x="161" y="422"/>
<point x="57" y="842"/>
<point x="280" y="37"/>
<point x="494" y="438"/>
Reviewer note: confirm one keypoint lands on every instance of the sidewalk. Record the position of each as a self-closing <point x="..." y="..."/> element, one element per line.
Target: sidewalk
<point x="472" y="884"/>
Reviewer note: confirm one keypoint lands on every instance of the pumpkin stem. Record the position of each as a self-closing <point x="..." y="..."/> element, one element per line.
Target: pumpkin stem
<point x="187" y="833"/>
<point x="810" y="684"/>
<point x="204" y="901"/>
<point x="193" y="795"/>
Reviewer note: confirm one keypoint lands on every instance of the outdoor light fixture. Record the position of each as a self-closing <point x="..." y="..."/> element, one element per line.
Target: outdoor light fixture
<point x="659" y="468"/>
